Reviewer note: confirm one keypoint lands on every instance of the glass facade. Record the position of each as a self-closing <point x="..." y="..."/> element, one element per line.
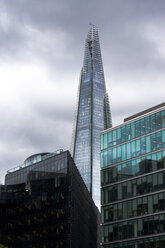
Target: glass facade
<point x="50" y="163"/>
<point x="49" y="209"/>
<point x="140" y="127"/>
<point x="133" y="182"/>
<point x="93" y="115"/>
<point x="35" y="217"/>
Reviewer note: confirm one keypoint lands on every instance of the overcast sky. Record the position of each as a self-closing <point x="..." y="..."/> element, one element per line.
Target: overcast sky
<point x="41" y="55"/>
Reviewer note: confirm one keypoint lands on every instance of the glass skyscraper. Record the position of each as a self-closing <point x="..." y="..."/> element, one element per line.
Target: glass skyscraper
<point x="92" y="115"/>
<point x="133" y="182"/>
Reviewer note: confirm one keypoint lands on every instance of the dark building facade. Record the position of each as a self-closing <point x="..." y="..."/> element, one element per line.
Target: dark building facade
<point x="50" y="207"/>
<point x="133" y="182"/>
<point x="92" y="115"/>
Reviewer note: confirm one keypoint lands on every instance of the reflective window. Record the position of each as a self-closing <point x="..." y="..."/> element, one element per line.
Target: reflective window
<point x="135" y="129"/>
<point x="132" y="188"/>
<point x="134" y="228"/>
<point x="156" y="242"/>
<point x="131" y="168"/>
<point x="136" y="148"/>
<point x="137" y="207"/>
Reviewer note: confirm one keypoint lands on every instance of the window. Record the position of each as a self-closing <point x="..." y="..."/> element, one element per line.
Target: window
<point x="123" y="152"/>
<point x="137" y="147"/>
<point x="110" y="139"/>
<point x="153" y="122"/>
<point x="163" y="138"/>
<point x="147" y="124"/>
<point x="132" y="130"/>
<point x="143" y="145"/>
<point x="118" y="135"/>
<point x="133" y="154"/>
<point x="163" y="118"/>
<point x="155" y="181"/>
<point x="153" y="142"/>
<point x="114" y="137"/>
<point x="129" y="208"/>
<point x="143" y="128"/>
<point x="128" y="132"/>
<point x="123" y="134"/>
<point x="128" y="150"/>
<point x="155" y="203"/>
<point x="120" y="209"/>
<point x="148" y="144"/>
<point x="161" y="203"/>
<point x="134" y="207"/>
<point x="150" y="205"/>
<point x="119" y="157"/>
<point x="105" y="141"/>
<point x="114" y="155"/>
<point x="158" y="121"/>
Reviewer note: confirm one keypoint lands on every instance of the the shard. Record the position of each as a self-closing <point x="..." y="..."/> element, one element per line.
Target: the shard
<point x="92" y="115"/>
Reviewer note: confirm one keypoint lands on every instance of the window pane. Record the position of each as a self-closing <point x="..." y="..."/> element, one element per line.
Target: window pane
<point x="163" y="138"/>
<point x="114" y="137"/>
<point x="143" y="130"/>
<point x="147" y="124"/>
<point x="128" y="150"/>
<point x="163" y="118"/>
<point x="158" y="121"/>
<point x="105" y="140"/>
<point x="153" y="122"/>
<point x="118" y="135"/>
<point x="138" y="131"/>
<point x="110" y="139"/>
<point x="137" y="147"/>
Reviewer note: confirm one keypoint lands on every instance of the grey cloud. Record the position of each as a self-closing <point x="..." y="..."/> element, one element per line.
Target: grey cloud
<point x="58" y="30"/>
<point x="60" y="112"/>
<point x="30" y="137"/>
<point x="122" y="22"/>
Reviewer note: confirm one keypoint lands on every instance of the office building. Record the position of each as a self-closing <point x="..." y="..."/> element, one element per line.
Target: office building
<point x="47" y="205"/>
<point x="92" y="115"/>
<point x="44" y="162"/>
<point x="133" y="182"/>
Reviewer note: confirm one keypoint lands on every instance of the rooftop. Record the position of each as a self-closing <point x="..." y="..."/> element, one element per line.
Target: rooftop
<point x="139" y="115"/>
<point x="145" y="112"/>
<point x="35" y="159"/>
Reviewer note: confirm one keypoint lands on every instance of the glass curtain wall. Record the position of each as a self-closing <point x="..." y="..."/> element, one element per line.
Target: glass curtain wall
<point x="90" y="116"/>
<point x="133" y="182"/>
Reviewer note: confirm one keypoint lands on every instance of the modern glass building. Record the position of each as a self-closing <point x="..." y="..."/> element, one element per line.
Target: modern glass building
<point x="49" y="206"/>
<point x="92" y="115"/>
<point x="133" y="182"/>
<point x="42" y="162"/>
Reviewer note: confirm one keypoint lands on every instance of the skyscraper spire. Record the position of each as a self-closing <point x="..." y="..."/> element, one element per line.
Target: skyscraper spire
<point x="92" y="115"/>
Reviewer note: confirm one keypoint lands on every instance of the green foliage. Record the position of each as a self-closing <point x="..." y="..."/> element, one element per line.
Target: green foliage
<point x="2" y="246"/>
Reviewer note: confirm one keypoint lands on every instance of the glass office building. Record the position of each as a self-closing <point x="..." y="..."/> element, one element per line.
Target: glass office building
<point x="92" y="116"/>
<point x="133" y="182"/>
<point x="49" y="206"/>
<point x="43" y="162"/>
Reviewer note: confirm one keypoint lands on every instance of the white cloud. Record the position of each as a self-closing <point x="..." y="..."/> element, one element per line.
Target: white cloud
<point x="5" y="21"/>
<point x="34" y="109"/>
<point x="156" y="35"/>
<point x="48" y="43"/>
